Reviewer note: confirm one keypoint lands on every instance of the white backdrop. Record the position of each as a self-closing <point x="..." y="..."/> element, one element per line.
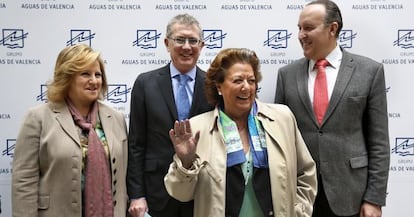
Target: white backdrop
<point x="130" y="34"/>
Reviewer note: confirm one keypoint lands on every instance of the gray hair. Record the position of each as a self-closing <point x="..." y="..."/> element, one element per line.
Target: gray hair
<point x="184" y="19"/>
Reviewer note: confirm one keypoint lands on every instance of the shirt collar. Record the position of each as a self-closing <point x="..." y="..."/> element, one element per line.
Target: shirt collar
<point x="174" y="72"/>
<point x="334" y="58"/>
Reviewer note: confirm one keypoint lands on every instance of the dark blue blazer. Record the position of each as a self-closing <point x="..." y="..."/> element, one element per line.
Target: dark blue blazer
<point x="152" y="115"/>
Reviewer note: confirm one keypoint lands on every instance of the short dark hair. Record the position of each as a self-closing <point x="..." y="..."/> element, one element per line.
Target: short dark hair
<point x="333" y="13"/>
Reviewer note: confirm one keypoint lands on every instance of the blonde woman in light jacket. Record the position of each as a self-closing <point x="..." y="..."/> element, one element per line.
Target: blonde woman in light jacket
<point x="200" y="169"/>
<point x="51" y="158"/>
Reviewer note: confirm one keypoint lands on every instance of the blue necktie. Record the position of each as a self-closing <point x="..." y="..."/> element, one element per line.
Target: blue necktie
<point x="182" y="101"/>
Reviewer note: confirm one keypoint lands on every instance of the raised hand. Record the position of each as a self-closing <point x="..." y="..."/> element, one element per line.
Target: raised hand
<point x="185" y="144"/>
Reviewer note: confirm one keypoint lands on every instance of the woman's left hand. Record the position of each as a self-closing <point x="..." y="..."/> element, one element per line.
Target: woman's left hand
<point x="185" y="144"/>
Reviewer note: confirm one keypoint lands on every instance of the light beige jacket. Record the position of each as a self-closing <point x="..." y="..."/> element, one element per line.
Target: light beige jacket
<point x="291" y="168"/>
<point x="46" y="180"/>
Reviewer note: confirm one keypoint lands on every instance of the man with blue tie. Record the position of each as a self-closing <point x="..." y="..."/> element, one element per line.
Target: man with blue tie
<point x="158" y="99"/>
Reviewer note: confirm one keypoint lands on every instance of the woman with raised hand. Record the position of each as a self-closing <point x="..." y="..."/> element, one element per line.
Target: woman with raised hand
<point x="245" y="158"/>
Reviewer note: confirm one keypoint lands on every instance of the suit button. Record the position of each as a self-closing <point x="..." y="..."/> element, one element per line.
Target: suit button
<point x="114" y="193"/>
<point x="113" y="160"/>
<point x="114" y="171"/>
<point x="115" y="203"/>
<point x="320" y="133"/>
<point x="114" y="182"/>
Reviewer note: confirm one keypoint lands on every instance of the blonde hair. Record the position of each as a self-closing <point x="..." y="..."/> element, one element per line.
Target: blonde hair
<point x="71" y="61"/>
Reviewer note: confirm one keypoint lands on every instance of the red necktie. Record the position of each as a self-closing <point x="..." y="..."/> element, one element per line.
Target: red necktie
<point x="320" y="92"/>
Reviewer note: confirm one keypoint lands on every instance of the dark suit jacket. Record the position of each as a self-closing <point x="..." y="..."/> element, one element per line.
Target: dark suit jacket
<point x="351" y="148"/>
<point x="152" y="115"/>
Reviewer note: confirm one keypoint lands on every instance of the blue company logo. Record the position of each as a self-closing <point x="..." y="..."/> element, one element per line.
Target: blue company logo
<point x="345" y="38"/>
<point x="277" y="39"/>
<point x="13" y="38"/>
<point x="146" y="39"/>
<point x="117" y="93"/>
<point x="9" y="151"/>
<point x="80" y="36"/>
<point x="213" y="38"/>
<point x="405" y="38"/>
<point x="403" y="146"/>
<point x="43" y="93"/>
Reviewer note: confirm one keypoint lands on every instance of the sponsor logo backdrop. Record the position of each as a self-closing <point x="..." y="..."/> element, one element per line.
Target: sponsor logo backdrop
<point x="130" y="34"/>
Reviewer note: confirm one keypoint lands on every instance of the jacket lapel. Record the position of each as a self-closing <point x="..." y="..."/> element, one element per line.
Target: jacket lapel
<point x="302" y="85"/>
<point x="268" y="118"/>
<point x="65" y="120"/>
<point x="344" y="76"/>
<point x="165" y="87"/>
<point x="198" y="92"/>
<point x="107" y="123"/>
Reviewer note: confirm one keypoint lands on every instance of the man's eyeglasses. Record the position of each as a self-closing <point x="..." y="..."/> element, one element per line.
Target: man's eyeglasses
<point x="181" y="41"/>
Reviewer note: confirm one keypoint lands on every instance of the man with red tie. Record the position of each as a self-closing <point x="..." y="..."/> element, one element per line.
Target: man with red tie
<point x="339" y="100"/>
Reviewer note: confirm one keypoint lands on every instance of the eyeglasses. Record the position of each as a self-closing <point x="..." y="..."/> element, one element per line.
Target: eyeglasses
<point x="182" y="41"/>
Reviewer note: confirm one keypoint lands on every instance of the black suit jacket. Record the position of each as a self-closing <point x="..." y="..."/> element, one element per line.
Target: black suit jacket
<point x="351" y="147"/>
<point x="152" y="115"/>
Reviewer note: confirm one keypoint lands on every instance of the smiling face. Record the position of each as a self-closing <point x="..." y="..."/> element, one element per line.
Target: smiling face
<point x="184" y="56"/>
<point x="238" y="90"/>
<point x="85" y="88"/>
<point x="317" y="38"/>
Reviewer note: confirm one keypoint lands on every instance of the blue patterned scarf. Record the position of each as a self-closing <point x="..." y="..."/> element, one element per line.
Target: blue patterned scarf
<point x="234" y="146"/>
